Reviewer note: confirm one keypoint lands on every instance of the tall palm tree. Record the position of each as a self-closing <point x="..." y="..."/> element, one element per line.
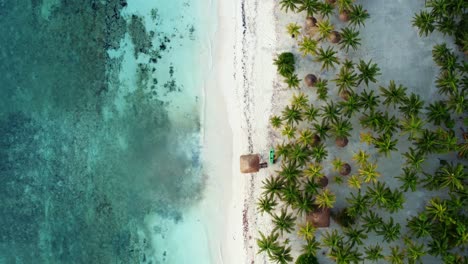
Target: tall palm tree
<point x="355" y="181"/>
<point x="283" y="150"/>
<point x="427" y="142"/>
<point x="292" y="81"/>
<point x="379" y="194"/>
<point x="358" y="204"/>
<point x="304" y="204"/>
<point x="319" y="153"/>
<point x="340" y="130"/>
<point x="357" y="15"/>
<point x="424" y="21"/>
<point x="275" y="121"/>
<point x="452" y="176"/>
<point x="369" y="172"/>
<point x="299" y="155"/>
<point x="458" y="102"/>
<point x="266" y="204"/>
<point x="344" y="5"/>
<point x="311" y="7"/>
<point x="272" y="186"/>
<point x="390" y="231"/>
<point x="346" y="80"/>
<point x="322" y="89"/>
<point x="308" y="46"/>
<point x="300" y="100"/>
<point x="369" y="71"/>
<point x="311" y="186"/>
<point x="330" y="112"/>
<point x="397" y="255"/>
<point x="283" y="222"/>
<point x="314" y="171"/>
<point x="325" y="199"/>
<point x="395" y="201"/>
<point x="307" y="231"/>
<point x="447" y="82"/>
<point x="311" y="113"/>
<point x="290" y="193"/>
<point x="438" y="113"/>
<point x="393" y="95"/>
<point x="419" y="226"/>
<point x="292" y="114"/>
<point x="310" y="248"/>
<point x="289" y="5"/>
<point x="293" y="29"/>
<point x="374" y="253"/>
<point x="409" y="179"/>
<point x="355" y="235"/>
<point x="413" y="126"/>
<point x="306" y="138"/>
<point x="325" y="28"/>
<point x="326" y="9"/>
<point x="385" y="144"/>
<point x="414" y="159"/>
<point x="372" y="221"/>
<point x="412" y="105"/>
<point x="414" y="250"/>
<point x="437" y="209"/>
<point x="372" y="120"/>
<point x="327" y="57"/>
<point x="349" y="39"/>
<point x="388" y="124"/>
<point x="282" y="255"/>
<point x="361" y="157"/>
<point x="321" y="129"/>
<point x="439" y="247"/>
<point x="268" y="244"/>
<point x="332" y="239"/>
<point x="345" y="254"/>
<point x="285" y="64"/>
<point x="351" y="105"/>
<point x="289" y="172"/>
<point x="369" y="100"/>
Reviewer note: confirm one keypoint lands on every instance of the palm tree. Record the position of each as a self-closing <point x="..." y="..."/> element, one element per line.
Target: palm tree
<point x="310" y="248"/>
<point x="366" y="137"/>
<point x="293" y="29"/>
<point x="373" y="253"/>
<point x="321" y="129"/>
<point x="272" y="186"/>
<point x="357" y="15"/>
<point x="355" y="235"/>
<point x="444" y="58"/>
<point x="322" y="89"/>
<point x="414" y="159"/>
<point x="413" y="126"/>
<point x="283" y="150"/>
<point x="458" y="102"/>
<point x="289" y="5"/>
<point x="345" y="254"/>
<point x="390" y="231"/>
<point x="396" y="256"/>
<point x="304" y="204"/>
<point x="447" y="82"/>
<point x="299" y="155"/>
<point x="332" y="239"/>
<point x="290" y="193"/>
<point x="275" y="121"/>
<point x="355" y="182"/>
<point x="289" y="172"/>
<point x="289" y="131"/>
<point x="311" y="186"/>
<point x="314" y="171"/>
<point x="439" y="246"/>
<point x="393" y="95"/>
<point x="438" y="113"/>
<point x="425" y="22"/>
<point x="409" y="179"/>
<point x="351" y="105"/>
<point x="346" y="79"/>
<point x="306" y="138"/>
<point x="319" y="153"/>
<point x="395" y="201"/>
<point x="305" y="258"/>
<point x="358" y="204"/>
<point x="307" y="232"/>
<point x="292" y="114"/>
<point x="369" y="100"/>
<point x="414" y="251"/>
<point x="372" y="120"/>
<point x="311" y="113"/>
<point x="325" y="28"/>
<point x="379" y="194"/>
<point x="419" y="226"/>
<point x="427" y="143"/>
<point x="330" y="112"/>
<point x="327" y="57"/>
<point x="452" y="176"/>
<point x="369" y="172"/>
<point x="300" y="100"/>
<point x="437" y="209"/>
<point x="368" y="71"/>
<point x="326" y="9"/>
<point x="292" y="81"/>
<point x="388" y="125"/>
<point x="308" y="46"/>
<point x="344" y="5"/>
<point x="361" y="157"/>
<point x="412" y="105"/>
<point x="372" y="221"/>
<point x="310" y="6"/>
<point x="385" y="144"/>
<point x="340" y="129"/>
<point x="282" y="255"/>
<point x="285" y="64"/>
<point x="266" y="204"/>
<point x="269" y="243"/>
<point x="283" y="222"/>
<point x="325" y="199"/>
<point x="349" y="39"/>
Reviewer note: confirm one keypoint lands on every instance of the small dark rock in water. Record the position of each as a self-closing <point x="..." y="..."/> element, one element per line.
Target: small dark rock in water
<point x="123" y="3"/>
<point x="165" y="253"/>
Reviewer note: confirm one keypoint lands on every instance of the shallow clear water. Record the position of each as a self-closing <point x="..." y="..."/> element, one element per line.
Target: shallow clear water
<point x="100" y="121"/>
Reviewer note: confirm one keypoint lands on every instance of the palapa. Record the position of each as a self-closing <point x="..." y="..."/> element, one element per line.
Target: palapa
<point x="249" y="163"/>
<point x="319" y="217"/>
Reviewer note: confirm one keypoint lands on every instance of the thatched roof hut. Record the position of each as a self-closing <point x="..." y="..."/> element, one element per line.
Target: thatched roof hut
<point x="319" y="217"/>
<point x="310" y="80"/>
<point x="311" y="21"/>
<point x="345" y="169"/>
<point x="334" y="37"/>
<point x="341" y="142"/>
<point x="323" y="182"/>
<point x="249" y="163"/>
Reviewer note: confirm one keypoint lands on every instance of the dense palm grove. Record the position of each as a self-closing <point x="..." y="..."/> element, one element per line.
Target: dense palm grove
<point x="386" y="115"/>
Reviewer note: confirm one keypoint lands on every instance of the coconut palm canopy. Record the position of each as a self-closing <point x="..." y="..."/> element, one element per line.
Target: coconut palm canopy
<point x="249" y="163"/>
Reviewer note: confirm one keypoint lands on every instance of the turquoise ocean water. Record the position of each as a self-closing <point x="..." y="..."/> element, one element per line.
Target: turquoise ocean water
<point x="101" y="110"/>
